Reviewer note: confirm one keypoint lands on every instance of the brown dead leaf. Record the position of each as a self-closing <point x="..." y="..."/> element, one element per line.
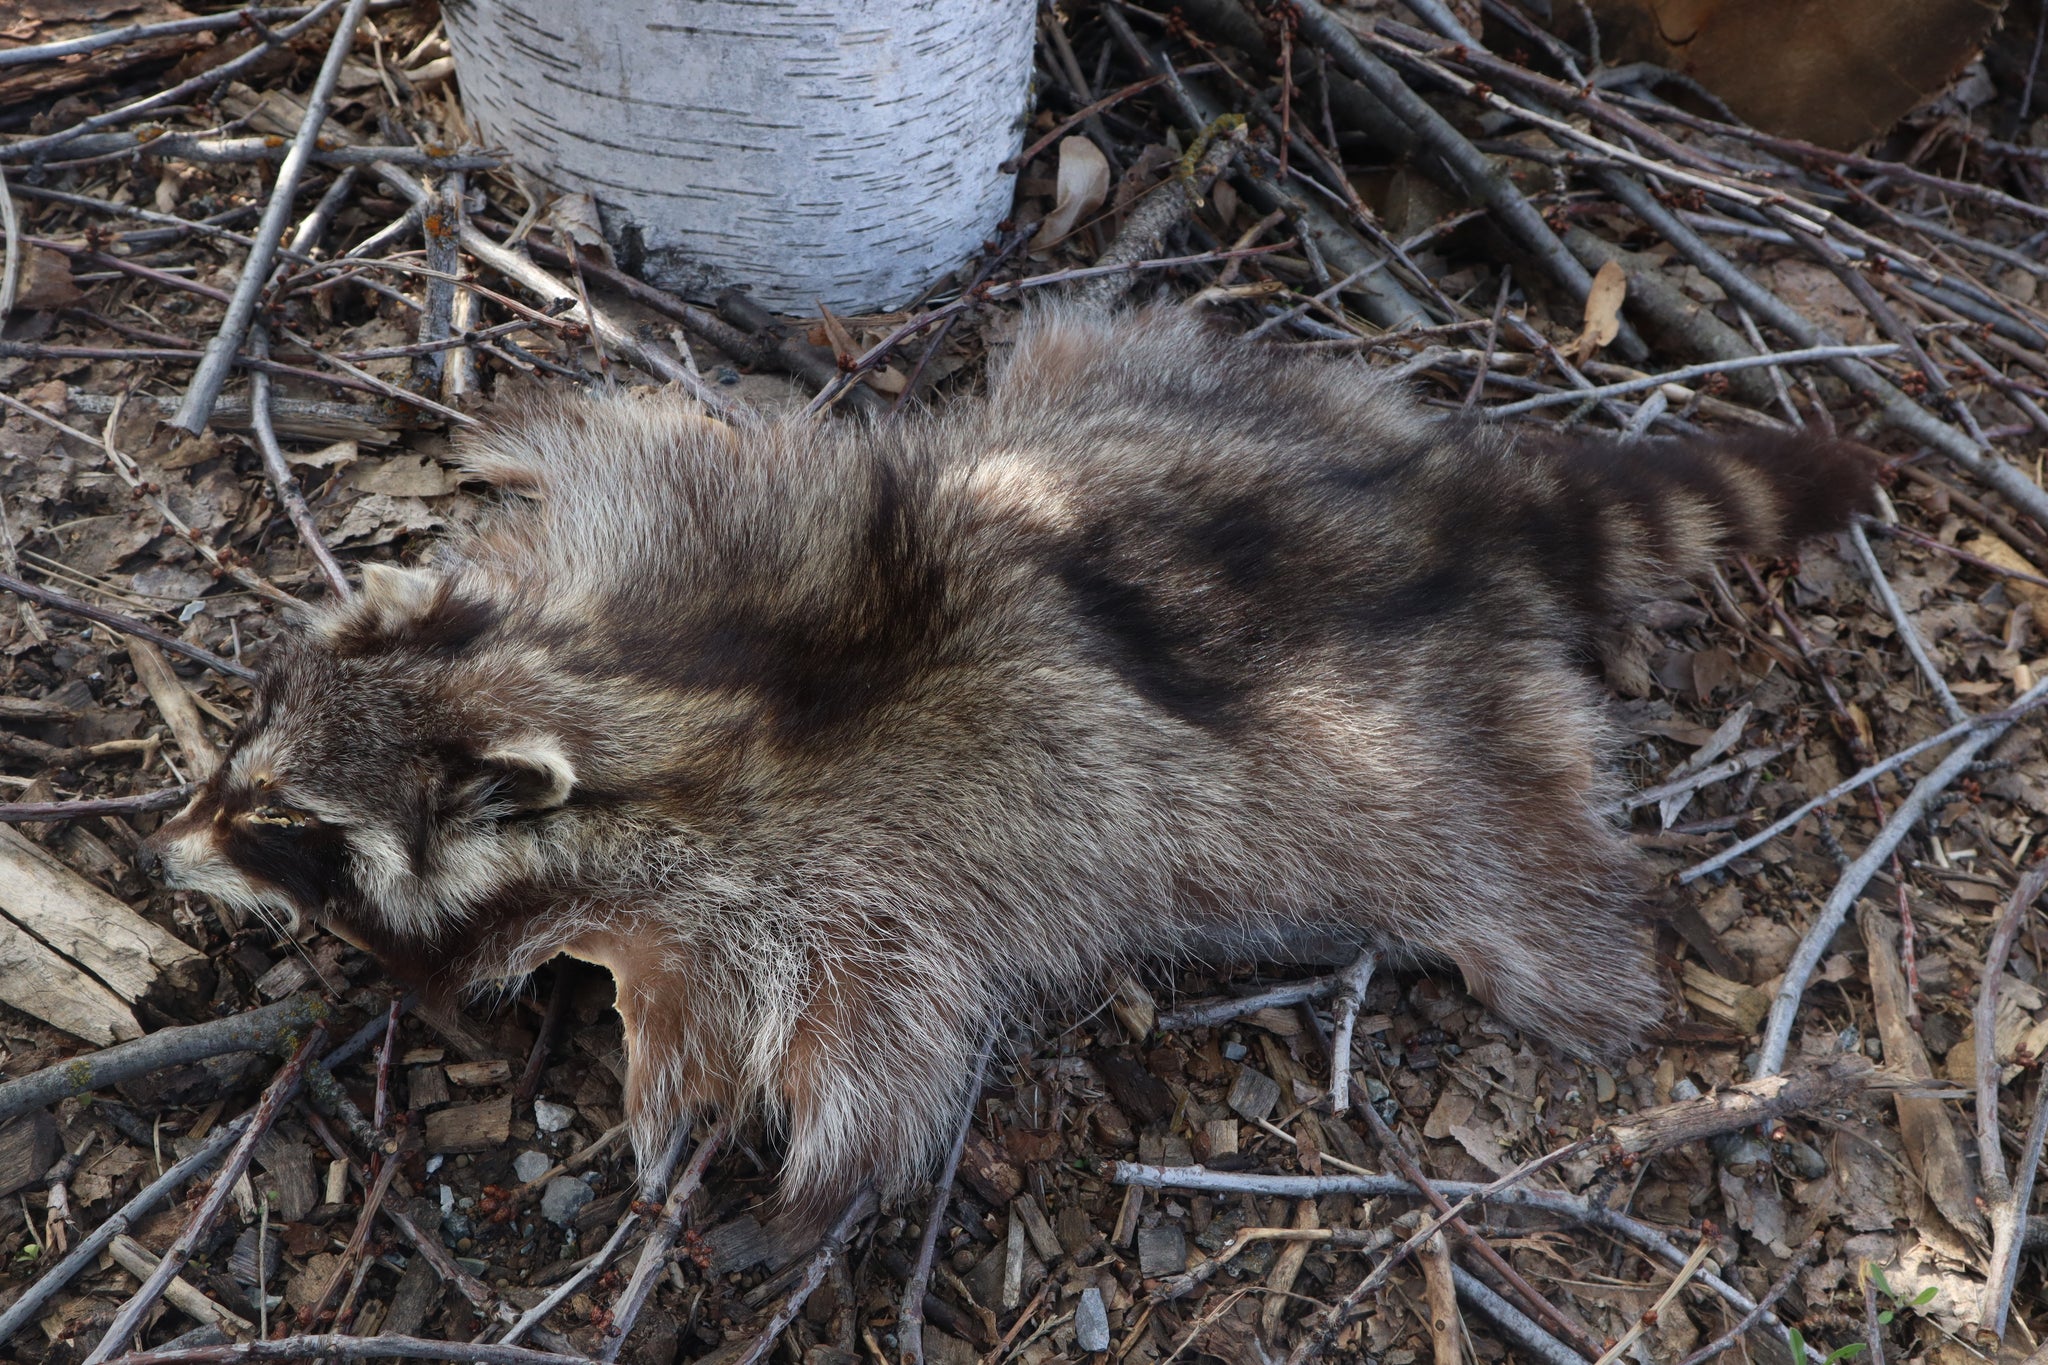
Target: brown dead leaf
<point x="1603" y="311"/>
<point x="1931" y="1143"/>
<point x="1082" y="185"/>
<point x="1989" y="546"/>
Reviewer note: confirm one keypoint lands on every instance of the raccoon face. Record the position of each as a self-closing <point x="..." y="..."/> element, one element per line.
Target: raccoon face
<point x="370" y="786"/>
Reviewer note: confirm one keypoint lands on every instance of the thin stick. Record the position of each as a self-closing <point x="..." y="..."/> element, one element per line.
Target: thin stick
<point x="127" y="625"/>
<point x="2027" y="702"/>
<point x="129" y="1318"/>
<point x="1479" y="178"/>
<point x="2007" y="1215"/>
<point x="168" y="1047"/>
<point x="1356" y="978"/>
<point x="660" y="1238"/>
<point x="1656" y="1310"/>
<point x="650" y="1185"/>
<point x="10" y="227"/>
<point x="208" y="150"/>
<point x="282" y="482"/>
<point x="1210" y="1013"/>
<point x="1571" y="1206"/>
<point x="2012" y="1222"/>
<point x="29" y="1306"/>
<point x="23" y="812"/>
<point x="142" y="33"/>
<point x="813" y="1276"/>
<point x="219" y="359"/>
<point x="910" y="1314"/>
<point x="1785" y="1005"/>
<point x="1908" y="634"/>
<point x="334" y="1346"/>
<point x="205" y="80"/>
<point x="1684" y="373"/>
<point x="1509" y="1320"/>
<point x="1398" y="1154"/>
<point x="1757" y="1311"/>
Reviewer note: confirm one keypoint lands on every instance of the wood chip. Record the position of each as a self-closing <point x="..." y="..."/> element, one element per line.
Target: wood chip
<point x="470" y="1127"/>
<point x="497" y="1071"/>
<point x="132" y="956"/>
<point x="174" y="703"/>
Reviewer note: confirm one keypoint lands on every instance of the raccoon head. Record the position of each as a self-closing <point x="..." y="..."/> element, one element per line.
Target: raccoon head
<point x="380" y="781"/>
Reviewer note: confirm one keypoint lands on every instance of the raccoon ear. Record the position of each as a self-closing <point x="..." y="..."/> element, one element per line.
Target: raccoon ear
<point x="532" y="772"/>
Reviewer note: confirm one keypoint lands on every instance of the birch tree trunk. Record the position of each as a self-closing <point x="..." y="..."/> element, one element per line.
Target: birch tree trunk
<point x="844" y="151"/>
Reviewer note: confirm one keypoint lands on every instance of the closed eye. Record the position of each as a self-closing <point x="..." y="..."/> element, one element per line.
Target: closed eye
<point x="283" y="817"/>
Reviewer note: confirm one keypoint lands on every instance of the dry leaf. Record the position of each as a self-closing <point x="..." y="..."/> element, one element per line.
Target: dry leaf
<point x="1988" y="546"/>
<point x="1082" y="185"/>
<point x="574" y="218"/>
<point x="1603" y="311"/>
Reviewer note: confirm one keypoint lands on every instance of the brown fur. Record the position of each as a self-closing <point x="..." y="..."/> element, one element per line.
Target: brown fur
<point x="843" y="745"/>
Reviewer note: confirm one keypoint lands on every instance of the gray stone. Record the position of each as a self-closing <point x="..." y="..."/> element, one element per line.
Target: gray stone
<point x="1091" y="1322"/>
<point x="550" y="1117"/>
<point x="1162" y="1251"/>
<point x="529" y="1166"/>
<point x="1253" y="1094"/>
<point x="562" y="1198"/>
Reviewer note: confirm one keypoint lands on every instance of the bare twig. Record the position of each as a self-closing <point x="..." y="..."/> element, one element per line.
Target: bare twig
<point x="37" y="1296"/>
<point x="1571" y="1206"/>
<point x="2029" y="701"/>
<point x="24" y="812"/>
<point x="168" y="1047"/>
<point x="1685" y="373"/>
<point x="660" y="1238"/>
<point x="910" y="1315"/>
<point x="2008" y="1213"/>
<point x="814" y="1275"/>
<point x="1909" y="635"/>
<point x="1511" y="1322"/>
<point x="1345" y="1010"/>
<point x="1757" y="1310"/>
<point x="1785" y="1004"/>
<point x="334" y="1346"/>
<point x="279" y="470"/>
<point x="220" y="351"/>
<point x="1210" y="1013"/>
<point x="131" y="1313"/>
<point x="127" y="625"/>
<point x="1398" y="1154"/>
<point x="32" y="147"/>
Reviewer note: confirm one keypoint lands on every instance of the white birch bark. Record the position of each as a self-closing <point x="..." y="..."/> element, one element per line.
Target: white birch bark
<point x="843" y="151"/>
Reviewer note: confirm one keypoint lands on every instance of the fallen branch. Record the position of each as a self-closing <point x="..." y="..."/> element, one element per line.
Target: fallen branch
<point x="219" y="359"/>
<point x="334" y="1346"/>
<point x="28" y="812"/>
<point x="2026" y="703"/>
<point x="1398" y="1154"/>
<point x="1785" y="1005"/>
<point x="1355" y="980"/>
<point x="910" y="1313"/>
<point x="660" y="1238"/>
<point x="131" y="1314"/>
<point x="1511" y="1322"/>
<point x="2007" y="1204"/>
<point x="127" y="625"/>
<point x="264" y="1028"/>
<point x="1757" y="1310"/>
<point x="1741" y="1106"/>
<point x="29" y="1307"/>
<point x="228" y="151"/>
<point x="1223" y="1009"/>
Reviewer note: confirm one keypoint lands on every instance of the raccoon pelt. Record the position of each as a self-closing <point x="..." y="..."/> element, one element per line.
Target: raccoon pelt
<point x="842" y="744"/>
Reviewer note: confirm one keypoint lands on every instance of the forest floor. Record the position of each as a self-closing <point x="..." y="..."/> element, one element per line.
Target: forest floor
<point x="456" y="1170"/>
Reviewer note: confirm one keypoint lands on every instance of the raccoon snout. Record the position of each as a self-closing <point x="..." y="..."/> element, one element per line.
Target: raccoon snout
<point x="148" y="861"/>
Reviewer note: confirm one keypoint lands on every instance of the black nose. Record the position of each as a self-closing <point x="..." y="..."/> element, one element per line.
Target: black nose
<point x="147" y="860"/>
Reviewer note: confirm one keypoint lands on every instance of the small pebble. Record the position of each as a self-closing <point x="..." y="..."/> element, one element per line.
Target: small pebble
<point x="1091" y="1322"/>
<point x="530" y="1166"/>
<point x="550" y="1117"/>
<point x="1235" y="1052"/>
<point x="563" y="1197"/>
<point x="1684" y="1089"/>
<point x="1801" y="1160"/>
<point x="434" y="1162"/>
